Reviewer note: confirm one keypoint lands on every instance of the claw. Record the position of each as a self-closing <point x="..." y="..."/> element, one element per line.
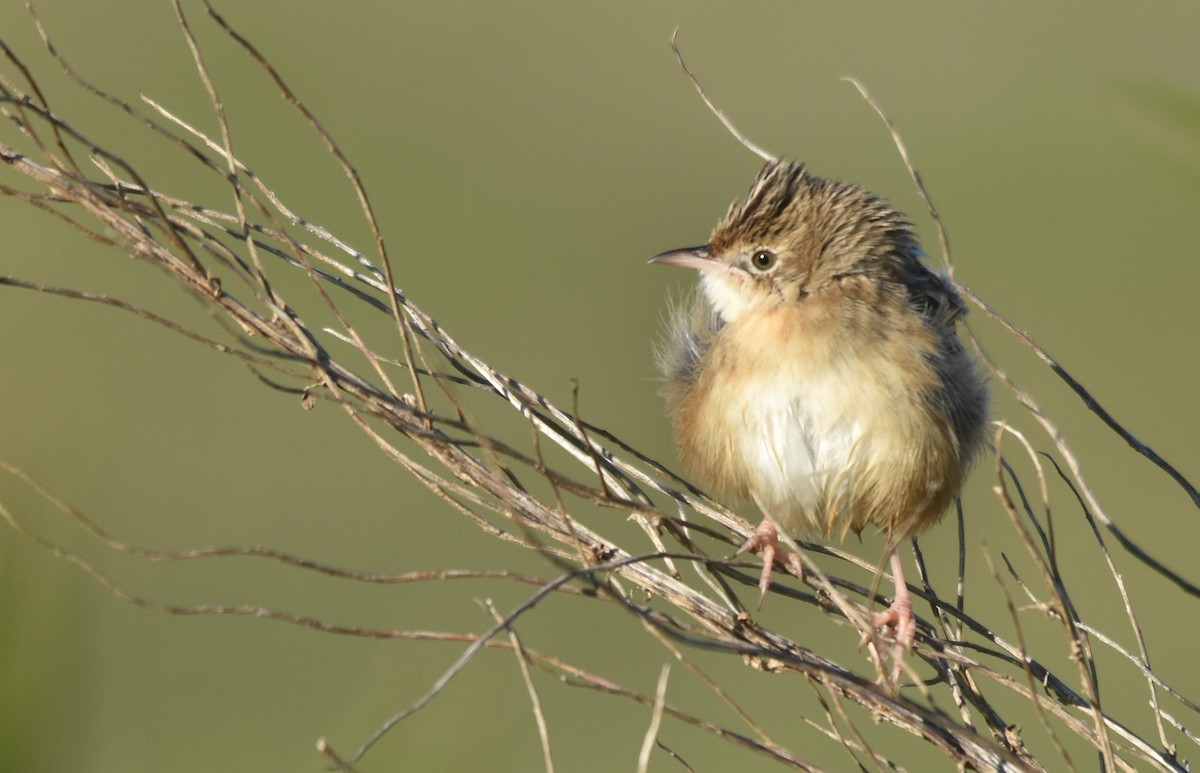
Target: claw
<point x="765" y="541"/>
<point x="898" y="617"/>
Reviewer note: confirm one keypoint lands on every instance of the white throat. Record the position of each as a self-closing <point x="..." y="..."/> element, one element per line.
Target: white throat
<point x="725" y="291"/>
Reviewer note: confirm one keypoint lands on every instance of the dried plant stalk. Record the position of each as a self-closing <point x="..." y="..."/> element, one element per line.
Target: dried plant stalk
<point x="230" y="261"/>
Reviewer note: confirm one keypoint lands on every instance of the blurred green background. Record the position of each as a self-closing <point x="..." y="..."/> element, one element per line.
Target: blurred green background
<point x="525" y="159"/>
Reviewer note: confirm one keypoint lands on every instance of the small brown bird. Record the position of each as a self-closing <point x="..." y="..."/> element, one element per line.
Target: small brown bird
<point x="817" y="371"/>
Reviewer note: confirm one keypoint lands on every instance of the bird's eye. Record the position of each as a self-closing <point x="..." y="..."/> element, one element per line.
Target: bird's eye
<point x="763" y="260"/>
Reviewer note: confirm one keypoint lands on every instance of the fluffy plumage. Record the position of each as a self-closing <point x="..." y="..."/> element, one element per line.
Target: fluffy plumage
<point x="830" y="388"/>
<point x="817" y="370"/>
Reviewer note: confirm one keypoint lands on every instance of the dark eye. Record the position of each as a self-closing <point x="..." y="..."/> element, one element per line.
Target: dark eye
<point x="763" y="260"/>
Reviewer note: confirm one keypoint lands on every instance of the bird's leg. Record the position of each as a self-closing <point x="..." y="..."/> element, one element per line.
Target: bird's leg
<point x="899" y="616"/>
<point x="766" y="541"/>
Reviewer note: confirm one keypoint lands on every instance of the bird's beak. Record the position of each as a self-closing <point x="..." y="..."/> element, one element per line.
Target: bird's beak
<point x="689" y="257"/>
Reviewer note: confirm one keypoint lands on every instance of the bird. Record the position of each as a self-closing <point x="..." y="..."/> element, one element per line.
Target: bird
<point x="817" y="371"/>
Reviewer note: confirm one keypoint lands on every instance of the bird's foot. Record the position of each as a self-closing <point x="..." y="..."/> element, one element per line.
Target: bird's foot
<point x="899" y="618"/>
<point x="765" y="541"/>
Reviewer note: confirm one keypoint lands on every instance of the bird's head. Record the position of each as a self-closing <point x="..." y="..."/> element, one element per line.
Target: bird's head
<point x="794" y="236"/>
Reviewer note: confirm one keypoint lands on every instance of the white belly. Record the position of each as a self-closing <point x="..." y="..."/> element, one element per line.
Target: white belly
<point x="805" y="440"/>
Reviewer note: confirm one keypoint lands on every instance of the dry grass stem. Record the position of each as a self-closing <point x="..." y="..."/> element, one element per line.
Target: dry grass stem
<point x="415" y="394"/>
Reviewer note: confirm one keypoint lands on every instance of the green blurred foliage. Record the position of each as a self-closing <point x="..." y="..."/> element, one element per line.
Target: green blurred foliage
<point x="525" y="159"/>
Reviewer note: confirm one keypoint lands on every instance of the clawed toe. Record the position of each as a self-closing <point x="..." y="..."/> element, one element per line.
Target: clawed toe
<point x="765" y="541"/>
<point x="899" y="618"/>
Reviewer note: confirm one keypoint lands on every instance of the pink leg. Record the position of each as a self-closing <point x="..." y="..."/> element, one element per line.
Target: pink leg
<point x="766" y="542"/>
<point x="899" y="616"/>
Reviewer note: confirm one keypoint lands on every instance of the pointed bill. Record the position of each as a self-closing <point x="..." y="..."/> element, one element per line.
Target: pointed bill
<point x="689" y="257"/>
